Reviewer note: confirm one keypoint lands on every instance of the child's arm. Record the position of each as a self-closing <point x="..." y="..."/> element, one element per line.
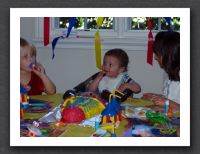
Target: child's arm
<point x="94" y="84"/>
<point x="160" y="100"/>
<point x="39" y="70"/>
<point x="134" y="87"/>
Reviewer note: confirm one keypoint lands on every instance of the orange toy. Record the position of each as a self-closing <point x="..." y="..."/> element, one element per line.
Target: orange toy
<point x="169" y="114"/>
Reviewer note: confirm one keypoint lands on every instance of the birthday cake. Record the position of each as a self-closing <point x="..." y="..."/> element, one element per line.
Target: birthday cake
<point x="91" y="106"/>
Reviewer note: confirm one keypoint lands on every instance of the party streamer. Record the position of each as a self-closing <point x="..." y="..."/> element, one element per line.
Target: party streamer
<point x="98" y="43"/>
<point x="55" y="40"/>
<point x="150" y="43"/>
<point x="98" y="49"/>
<point x="46" y="30"/>
<point x="168" y="20"/>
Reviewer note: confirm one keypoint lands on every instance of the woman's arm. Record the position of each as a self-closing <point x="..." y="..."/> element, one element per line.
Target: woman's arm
<point x="160" y="100"/>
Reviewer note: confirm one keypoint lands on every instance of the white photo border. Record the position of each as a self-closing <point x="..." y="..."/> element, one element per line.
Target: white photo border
<point x="16" y="140"/>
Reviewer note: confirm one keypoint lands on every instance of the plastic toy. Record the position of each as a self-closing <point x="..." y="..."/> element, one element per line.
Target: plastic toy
<point x="30" y="65"/>
<point x="166" y="107"/>
<point x="23" y="97"/>
<point x="21" y="111"/>
<point x="110" y="127"/>
<point x="158" y="118"/>
<point x="169" y="114"/>
<point x="112" y="112"/>
<point x="97" y="124"/>
<point x="111" y="115"/>
<point x="116" y="104"/>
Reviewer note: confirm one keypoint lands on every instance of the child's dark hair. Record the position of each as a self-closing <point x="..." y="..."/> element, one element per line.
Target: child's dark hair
<point x="23" y="42"/>
<point x="121" y="55"/>
<point x="167" y="47"/>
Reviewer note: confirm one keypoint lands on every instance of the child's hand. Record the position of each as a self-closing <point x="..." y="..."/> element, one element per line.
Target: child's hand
<point x="101" y="75"/>
<point x="94" y="84"/>
<point x="123" y="87"/>
<point x="38" y="69"/>
<point x="155" y="98"/>
<point x="132" y="86"/>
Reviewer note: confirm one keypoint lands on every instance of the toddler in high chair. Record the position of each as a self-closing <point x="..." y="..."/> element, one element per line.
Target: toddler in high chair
<point x="114" y="74"/>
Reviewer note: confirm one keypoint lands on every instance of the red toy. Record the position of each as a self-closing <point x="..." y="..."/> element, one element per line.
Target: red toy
<point x="72" y="114"/>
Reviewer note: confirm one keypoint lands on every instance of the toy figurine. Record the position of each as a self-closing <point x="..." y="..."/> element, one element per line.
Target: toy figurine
<point x="23" y="97"/>
<point x="112" y="112"/>
<point x="158" y="118"/>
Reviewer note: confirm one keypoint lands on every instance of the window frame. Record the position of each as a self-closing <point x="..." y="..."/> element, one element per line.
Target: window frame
<point x="119" y="37"/>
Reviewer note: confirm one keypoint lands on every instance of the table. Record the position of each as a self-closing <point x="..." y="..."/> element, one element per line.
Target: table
<point x="72" y="130"/>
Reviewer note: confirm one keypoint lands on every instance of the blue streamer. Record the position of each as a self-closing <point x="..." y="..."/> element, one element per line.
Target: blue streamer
<point x="71" y="25"/>
<point x="168" y="20"/>
<point x="54" y="42"/>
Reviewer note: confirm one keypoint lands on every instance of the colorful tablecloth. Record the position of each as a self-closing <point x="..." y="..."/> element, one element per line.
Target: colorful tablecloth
<point x="75" y="130"/>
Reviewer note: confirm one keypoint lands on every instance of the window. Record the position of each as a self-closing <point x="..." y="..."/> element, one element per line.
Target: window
<point x="117" y="27"/>
<point x="140" y="23"/>
<point x="86" y="23"/>
<point x="134" y="23"/>
<point x="124" y="32"/>
<point x="85" y="26"/>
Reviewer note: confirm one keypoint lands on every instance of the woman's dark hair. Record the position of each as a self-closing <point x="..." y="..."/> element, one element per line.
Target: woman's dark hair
<point x="121" y="55"/>
<point x="167" y="47"/>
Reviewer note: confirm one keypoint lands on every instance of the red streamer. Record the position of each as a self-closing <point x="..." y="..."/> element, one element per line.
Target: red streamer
<point x="46" y="30"/>
<point x="150" y="44"/>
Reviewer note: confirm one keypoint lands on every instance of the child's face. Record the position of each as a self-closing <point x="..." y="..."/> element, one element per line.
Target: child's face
<point x="26" y="58"/>
<point x="111" y="66"/>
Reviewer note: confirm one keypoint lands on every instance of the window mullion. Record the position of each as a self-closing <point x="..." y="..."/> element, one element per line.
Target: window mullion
<point x="159" y="23"/>
<point x="85" y="23"/>
<point x="121" y="26"/>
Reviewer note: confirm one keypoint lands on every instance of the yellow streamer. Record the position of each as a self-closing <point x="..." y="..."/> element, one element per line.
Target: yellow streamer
<point x="99" y="22"/>
<point x="98" y="49"/>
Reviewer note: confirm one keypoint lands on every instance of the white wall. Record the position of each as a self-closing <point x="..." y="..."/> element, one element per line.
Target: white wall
<point x="72" y="66"/>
